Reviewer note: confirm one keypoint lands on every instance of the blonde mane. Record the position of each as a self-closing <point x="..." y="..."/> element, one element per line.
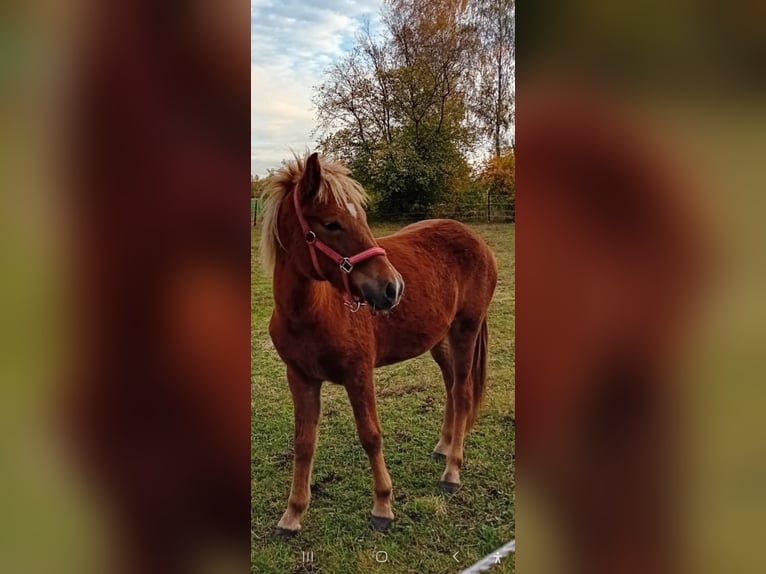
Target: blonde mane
<point x="336" y="184"/>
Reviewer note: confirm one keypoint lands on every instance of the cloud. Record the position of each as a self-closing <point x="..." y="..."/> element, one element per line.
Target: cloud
<point x="292" y="44"/>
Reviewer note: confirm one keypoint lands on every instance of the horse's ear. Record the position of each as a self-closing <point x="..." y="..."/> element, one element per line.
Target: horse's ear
<point x="311" y="176"/>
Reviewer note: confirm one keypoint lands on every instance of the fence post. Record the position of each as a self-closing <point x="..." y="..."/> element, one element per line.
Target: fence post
<point x="488" y="205"/>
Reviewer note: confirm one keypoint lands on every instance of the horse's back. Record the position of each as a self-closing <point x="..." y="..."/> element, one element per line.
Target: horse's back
<point x="434" y="228"/>
<point x="448" y="247"/>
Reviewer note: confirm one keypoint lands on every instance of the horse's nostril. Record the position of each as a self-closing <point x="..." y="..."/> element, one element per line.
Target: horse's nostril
<point x="391" y="291"/>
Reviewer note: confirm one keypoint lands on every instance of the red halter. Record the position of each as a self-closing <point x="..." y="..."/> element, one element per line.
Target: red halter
<point x="346" y="264"/>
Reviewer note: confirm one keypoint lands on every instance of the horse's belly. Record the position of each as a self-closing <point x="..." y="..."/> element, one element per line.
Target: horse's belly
<point x="395" y="345"/>
<point x="397" y="356"/>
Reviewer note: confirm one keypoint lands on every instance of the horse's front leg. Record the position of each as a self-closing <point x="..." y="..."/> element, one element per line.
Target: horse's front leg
<point x="306" y="408"/>
<point x="361" y="393"/>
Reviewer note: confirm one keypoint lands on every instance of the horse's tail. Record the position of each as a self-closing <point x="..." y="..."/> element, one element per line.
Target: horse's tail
<point x="479" y="373"/>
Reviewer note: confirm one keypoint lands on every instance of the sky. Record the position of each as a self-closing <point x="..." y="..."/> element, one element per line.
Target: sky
<point x="292" y="43"/>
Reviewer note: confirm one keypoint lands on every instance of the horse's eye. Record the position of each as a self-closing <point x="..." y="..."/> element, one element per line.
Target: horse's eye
<point x="332" y="226"/>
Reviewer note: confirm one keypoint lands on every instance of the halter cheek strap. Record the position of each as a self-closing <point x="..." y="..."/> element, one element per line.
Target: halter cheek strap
<point x="346" y="264"/>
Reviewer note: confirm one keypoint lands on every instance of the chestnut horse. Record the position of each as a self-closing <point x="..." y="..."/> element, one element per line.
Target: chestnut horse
<point x="321" y="252"/>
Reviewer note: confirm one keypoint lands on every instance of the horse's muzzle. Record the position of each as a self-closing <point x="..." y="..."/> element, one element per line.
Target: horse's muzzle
<point x="385" y="295"/>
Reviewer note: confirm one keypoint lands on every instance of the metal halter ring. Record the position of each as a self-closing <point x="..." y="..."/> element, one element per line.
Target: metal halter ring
<point x="353" y="306"/>
<point x="346" y="265"/>
<point x="310" y="237"/>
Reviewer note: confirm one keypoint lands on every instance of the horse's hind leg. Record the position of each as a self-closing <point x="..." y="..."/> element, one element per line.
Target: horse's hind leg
<point x="361" y="394"/>
<point x="443" y="357"/>
<point x="462" y="339"/>
<point x="306" y="408"/>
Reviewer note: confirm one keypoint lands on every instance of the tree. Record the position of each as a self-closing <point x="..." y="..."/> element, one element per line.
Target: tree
<point x="406" y="110"/>
<point x="493" y="98"/>
<point x="395" y="108"/>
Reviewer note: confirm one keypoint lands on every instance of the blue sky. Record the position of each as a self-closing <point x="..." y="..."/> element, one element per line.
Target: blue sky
<point x="292" y="43"/>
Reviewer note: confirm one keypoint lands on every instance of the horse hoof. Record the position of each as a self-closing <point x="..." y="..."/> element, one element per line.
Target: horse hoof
<point x="285" y="532"/>
<point x="450" y="487"/>
<point x="438" y="456"/>
<point x="380" y="523"/>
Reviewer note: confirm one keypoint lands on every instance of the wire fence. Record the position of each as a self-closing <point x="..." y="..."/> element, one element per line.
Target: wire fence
<point x="473" y="215"/>
<point x="498" y="212"/>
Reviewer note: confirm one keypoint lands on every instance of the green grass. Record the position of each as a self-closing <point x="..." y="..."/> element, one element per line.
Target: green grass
<point x="430" y="526"/>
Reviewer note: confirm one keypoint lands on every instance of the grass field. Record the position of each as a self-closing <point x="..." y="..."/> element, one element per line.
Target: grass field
<point x="430" y="526"/>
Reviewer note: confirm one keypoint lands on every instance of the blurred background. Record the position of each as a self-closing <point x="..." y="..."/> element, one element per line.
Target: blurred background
<point x="125" y="289"/>
<point x="640" y="282"/>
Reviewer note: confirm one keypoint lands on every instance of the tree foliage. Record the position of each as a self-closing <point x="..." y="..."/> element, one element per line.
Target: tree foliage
<point x="499" y="172"/>
<point x="401" y="107"/>
<point x="498" y="176"/>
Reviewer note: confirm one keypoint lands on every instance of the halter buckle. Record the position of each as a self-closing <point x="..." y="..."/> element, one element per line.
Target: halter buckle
<point x="310" y="237"/>
<point x="346" y="266"/>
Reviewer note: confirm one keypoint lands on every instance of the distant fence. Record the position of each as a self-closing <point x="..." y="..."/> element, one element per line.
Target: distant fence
<point x="502" y="214"/>
<point x="497" y="212"/>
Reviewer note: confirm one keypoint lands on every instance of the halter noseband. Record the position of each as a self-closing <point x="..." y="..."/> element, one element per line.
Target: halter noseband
<point x="346" y="264"/>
